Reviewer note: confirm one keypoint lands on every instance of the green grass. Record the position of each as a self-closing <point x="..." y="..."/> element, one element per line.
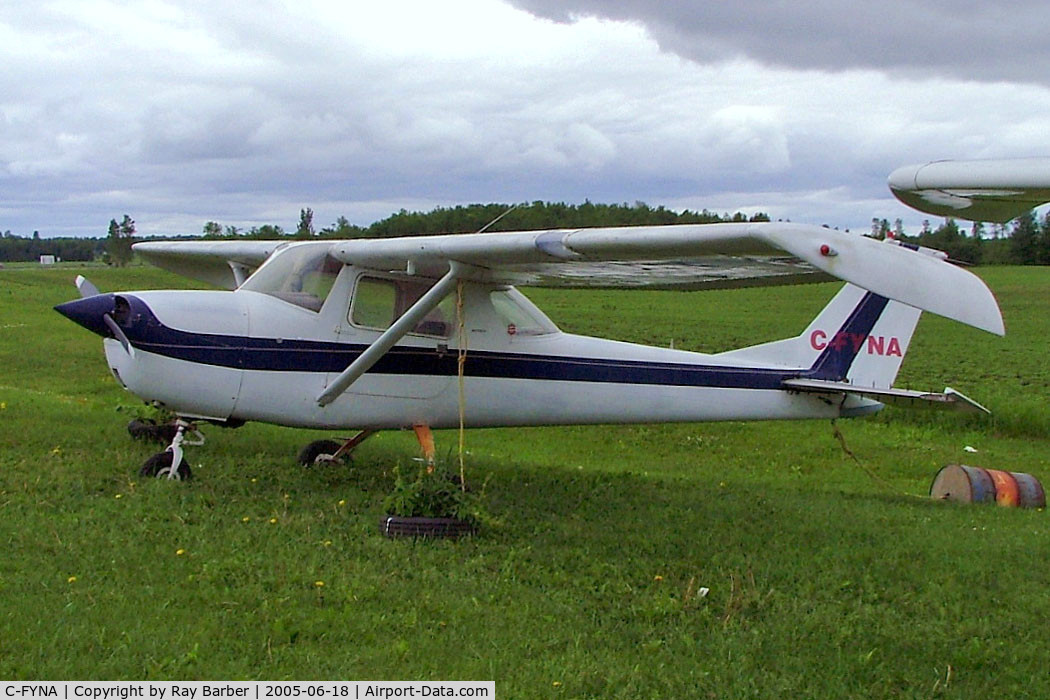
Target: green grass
<point x="827" y="578"/>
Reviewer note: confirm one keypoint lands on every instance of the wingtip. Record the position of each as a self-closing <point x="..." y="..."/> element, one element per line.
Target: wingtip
<point x="904" y="177"/>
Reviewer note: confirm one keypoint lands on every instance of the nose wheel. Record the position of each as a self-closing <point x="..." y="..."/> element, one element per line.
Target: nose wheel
<point x="170" y="463"/>
<point x="159" y="466"/>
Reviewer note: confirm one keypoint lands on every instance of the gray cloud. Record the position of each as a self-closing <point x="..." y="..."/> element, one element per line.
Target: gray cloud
<point x="998" y="40"/>
<point x="245" y="113"/>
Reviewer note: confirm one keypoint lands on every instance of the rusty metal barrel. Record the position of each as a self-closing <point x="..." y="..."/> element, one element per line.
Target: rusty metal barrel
<point x="964" y="484"/>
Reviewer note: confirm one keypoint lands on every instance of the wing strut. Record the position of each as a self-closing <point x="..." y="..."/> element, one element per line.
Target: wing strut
<point x="241" y="272"/>
<point x="390" y="337"/>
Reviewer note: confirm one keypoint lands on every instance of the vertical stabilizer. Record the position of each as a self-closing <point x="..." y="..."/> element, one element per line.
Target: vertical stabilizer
<point x="859" y="337"/>
<point x="866" y="347"/>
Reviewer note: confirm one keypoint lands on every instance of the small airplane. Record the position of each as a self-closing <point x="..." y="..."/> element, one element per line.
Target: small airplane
<point x="430" y="332"/>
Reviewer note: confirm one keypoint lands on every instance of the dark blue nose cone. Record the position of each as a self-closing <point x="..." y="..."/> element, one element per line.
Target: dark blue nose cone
<point x="89" y="312"/>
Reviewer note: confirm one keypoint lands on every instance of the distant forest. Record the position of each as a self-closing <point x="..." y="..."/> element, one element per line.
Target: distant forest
<point x="1025" y="241"/>
<point x="25" y="249"/>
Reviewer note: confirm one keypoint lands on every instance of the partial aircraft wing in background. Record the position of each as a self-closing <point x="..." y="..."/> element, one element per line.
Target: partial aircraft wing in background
<point x="978" y="190"/>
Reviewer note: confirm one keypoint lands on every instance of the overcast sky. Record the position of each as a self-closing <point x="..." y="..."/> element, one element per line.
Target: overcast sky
<point x="178" y="113"/>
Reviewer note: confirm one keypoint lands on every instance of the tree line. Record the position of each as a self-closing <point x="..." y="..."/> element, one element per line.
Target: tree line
<point x="1025" y="241"/>
<point x="29" y="248"/>
<point x="490" y="217"/>
<point x="115" y="248"/>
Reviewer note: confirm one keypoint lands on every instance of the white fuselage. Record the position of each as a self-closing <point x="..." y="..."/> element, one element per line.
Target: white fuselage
<point x="250" y="356"/>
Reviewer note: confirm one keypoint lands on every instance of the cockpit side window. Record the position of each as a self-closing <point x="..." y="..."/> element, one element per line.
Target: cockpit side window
<point x="378" y="302"/>
<point x="374" y="303"/>
<point x="302" y="275"/>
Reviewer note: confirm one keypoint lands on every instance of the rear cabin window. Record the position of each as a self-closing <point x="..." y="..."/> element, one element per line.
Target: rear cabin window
<point x="379" y="302"/>
<point x="518" y="314"/>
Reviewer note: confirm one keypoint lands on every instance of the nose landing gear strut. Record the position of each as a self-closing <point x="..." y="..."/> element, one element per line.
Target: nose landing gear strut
<point x="170" y="464"/>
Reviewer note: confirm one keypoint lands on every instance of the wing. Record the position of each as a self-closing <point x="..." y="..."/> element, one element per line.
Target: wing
<point x="221" y="263"/>
<point x="892" y="271"/>
<point x="980" y="190"/>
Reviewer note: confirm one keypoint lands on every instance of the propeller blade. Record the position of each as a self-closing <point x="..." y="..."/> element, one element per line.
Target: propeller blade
<point x="85" y="287"/>
<point x="118" y="332"/>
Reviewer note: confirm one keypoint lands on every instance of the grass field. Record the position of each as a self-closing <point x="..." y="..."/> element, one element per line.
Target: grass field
<point x="828" y="577"/>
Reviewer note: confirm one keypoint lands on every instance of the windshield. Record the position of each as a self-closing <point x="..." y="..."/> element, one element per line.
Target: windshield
<point x="301" y="274"/>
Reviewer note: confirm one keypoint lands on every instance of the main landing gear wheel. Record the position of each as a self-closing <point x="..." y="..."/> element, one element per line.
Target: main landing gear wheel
<point x="329" y="451"/>
<point x="159" y="466"/>
<point x="319" y="452"/>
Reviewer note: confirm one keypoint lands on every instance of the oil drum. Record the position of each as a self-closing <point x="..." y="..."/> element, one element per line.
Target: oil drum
<point x="965" y="484"/>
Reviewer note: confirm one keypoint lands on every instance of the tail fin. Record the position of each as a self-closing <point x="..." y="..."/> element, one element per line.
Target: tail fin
<point x="867" y="347"/>
<point x="859" y="338"/>
<point x="854" y="349"/>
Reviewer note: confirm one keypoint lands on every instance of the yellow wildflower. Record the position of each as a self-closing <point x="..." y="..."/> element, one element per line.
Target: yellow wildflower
<point x="179" y="552"/>
<point x="71" y="579"/>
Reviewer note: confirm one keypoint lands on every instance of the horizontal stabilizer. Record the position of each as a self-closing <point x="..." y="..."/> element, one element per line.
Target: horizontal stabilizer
<point x="905" y="398"/>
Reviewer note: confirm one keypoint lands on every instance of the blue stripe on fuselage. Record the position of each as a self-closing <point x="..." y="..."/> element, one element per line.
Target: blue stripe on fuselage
<point x="147" y="333"/>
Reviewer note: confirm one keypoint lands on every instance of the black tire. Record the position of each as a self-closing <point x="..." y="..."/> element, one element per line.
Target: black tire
<point x="308" y="455"/>
<point x="158" y="465"/>
<point x="400" y="526"/>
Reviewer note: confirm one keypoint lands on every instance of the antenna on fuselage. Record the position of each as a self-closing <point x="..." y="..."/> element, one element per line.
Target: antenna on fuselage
<point x="483" y="228"/>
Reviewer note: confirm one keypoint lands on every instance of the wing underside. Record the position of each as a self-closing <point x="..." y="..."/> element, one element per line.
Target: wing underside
<point x="711" y="272"/>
